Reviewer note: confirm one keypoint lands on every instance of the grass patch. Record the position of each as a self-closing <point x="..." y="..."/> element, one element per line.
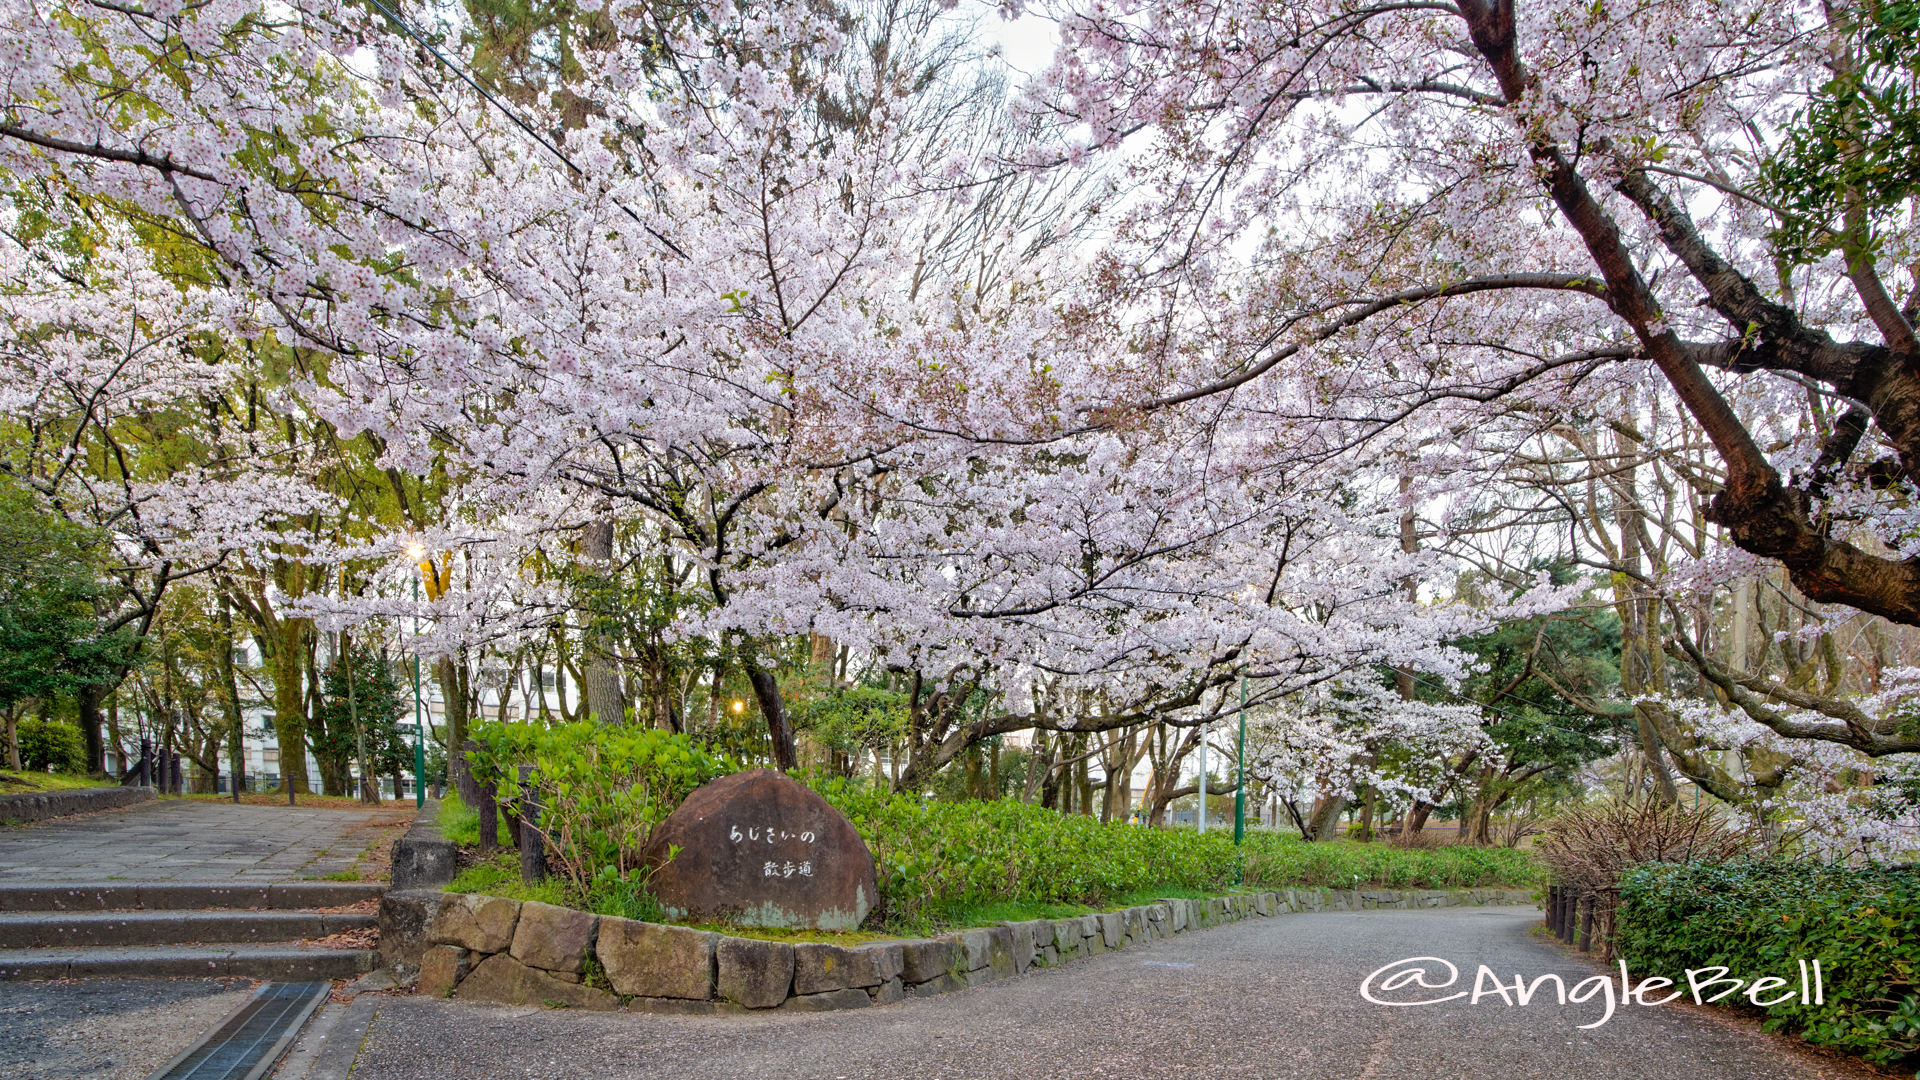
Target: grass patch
<point x="341" y="875"/>
<point x="460" y="823"/>
<point x="499" y="875"/>
<point x="22" y="782"/>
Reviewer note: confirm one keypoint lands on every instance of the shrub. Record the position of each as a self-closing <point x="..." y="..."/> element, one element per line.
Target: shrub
<point x="45" y="743"/>
<point x="602" y="790"/>
<point x="932" y="856"/>
<point x="1284" y="861"/>
<point x="936" y="856"/>
<point x="1761" y="918"/>
<point x="1588" y="848"/>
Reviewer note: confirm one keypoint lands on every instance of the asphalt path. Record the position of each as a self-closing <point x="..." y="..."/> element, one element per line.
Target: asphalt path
<point x="106" y="1029"/>
<point x="1266" y="998"/>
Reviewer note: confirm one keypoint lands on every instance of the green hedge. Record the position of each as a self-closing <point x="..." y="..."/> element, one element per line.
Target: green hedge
<point x="934" y="856"/>
<point x="51" y="744"/>
<point x="604" y="789"/>
<point x="1762" y="918"/>
<point x="1278" y="860"/>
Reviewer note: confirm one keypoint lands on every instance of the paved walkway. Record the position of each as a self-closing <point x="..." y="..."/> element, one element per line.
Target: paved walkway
<point x="191" y="841"/>
<point x="107" y="1029"/>
<point x="1266" y="998"/>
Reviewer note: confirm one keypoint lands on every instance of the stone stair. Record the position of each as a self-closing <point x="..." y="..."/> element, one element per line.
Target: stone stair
<point x="165" y="930"/>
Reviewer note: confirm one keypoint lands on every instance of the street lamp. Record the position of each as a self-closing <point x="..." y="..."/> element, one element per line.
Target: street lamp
<point x="1240" y="766"/>
<point x="419" y="727"/>
<point x="1200" y="820"/>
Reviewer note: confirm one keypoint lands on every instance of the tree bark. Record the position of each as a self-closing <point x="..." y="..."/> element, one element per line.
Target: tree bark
<point x="766" y="691"/>
<point x="1416" y="818"/>
<point x="89" y="705"/>
<point x="484" y="798"/>
<point x="1760" y="513"/>
<point x="230" y="699"/>
<point x="1325" y="823"/>
<point x="605" y="697"/>
<point x="289" y="702"/>
<point x="1639" y="617"/>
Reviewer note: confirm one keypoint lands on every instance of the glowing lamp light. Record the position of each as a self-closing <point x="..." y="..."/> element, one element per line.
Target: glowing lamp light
<point x="739" y="707"/>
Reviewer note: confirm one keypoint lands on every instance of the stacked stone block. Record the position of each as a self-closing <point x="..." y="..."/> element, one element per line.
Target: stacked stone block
<point x="493" y="949"/>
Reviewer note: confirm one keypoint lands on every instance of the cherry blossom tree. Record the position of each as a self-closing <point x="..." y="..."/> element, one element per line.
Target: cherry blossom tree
<point x="690" y="311"/>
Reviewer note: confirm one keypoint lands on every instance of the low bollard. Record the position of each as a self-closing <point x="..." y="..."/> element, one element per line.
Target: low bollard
<point x="487" y="805"/>
<point x="533" y="846"/>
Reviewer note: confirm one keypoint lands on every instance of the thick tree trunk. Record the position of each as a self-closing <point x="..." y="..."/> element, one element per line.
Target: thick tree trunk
<point x="1050" y="783"/>
<point x="89" y="704"/>
<point x="454" y="681"/>
<point x="230" y="699"/>
<point x="1639" y="659"/>
<point x="1761" y="513"/>
<point x="605" y="697"/>
<point x="779" y="729"/>
<point x="113" y="731"/>
<point x="290" y="702"/>
<point x="1416" y="818"/>
<point x="1035" y="751"/>
<point x="1325" y="823"/>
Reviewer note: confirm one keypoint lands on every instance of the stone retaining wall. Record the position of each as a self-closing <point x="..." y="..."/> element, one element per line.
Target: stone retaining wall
<point x="423" y="859"/>
<point x="488" y="948"/>
<point x="41" y="805"/>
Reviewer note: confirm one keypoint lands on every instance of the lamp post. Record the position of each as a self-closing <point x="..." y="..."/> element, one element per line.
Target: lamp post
<point x="419" y="726"/>
<point x="1240" y="769"/>
<point x="1201" y="818"/>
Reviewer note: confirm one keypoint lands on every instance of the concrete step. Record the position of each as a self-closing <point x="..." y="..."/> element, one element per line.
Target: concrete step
<point x="67" y="929"/>
<point x="283" y="962"/>
<point x="185" y="896"/>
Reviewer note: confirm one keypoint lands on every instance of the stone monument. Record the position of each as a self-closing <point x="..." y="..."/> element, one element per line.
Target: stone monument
<point x="760" y="849"/>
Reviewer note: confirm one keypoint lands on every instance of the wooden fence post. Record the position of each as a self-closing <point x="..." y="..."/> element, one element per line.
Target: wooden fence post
<point x="533" y="845"/>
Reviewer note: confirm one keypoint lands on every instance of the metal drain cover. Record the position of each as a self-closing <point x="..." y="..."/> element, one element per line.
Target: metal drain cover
<point x="251" y="1038"/>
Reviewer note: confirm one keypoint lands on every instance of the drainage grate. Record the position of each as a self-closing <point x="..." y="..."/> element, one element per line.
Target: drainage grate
<point x="249" y="1041"/>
